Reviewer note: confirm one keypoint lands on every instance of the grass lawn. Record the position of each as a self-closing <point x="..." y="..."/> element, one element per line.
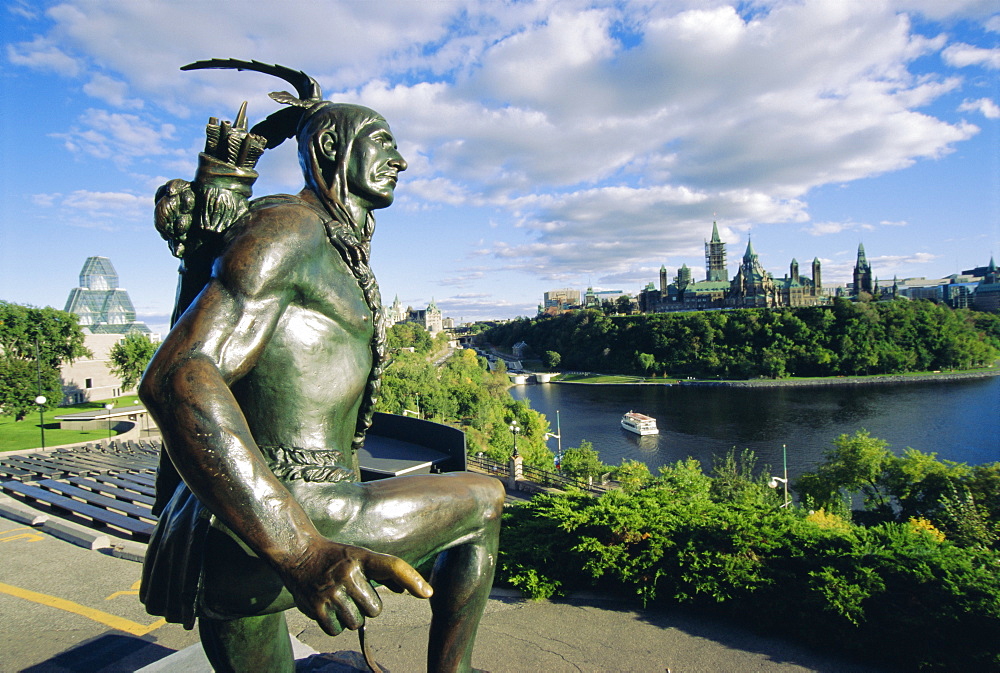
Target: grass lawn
<point x="598" y="378"/>
<point x="15" y="435"/>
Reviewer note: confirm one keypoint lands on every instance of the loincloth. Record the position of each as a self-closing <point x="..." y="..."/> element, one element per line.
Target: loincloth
<point x="294" y="464"/>
<point x="173" y="570"/>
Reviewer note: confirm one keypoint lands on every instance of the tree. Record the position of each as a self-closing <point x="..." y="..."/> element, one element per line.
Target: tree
<point x="623" y="304"/>
<point x="583" y="462"/>
<point x="551" y="359"/>
<point x="855" y="464"/>
<point x="34" y="343"/>
<point x="20" y="385"/>
<point x="645" y="362"/>
<point x="409" y="335"/>
<point x="129" y="358"/>
<point x="632" y="475"/>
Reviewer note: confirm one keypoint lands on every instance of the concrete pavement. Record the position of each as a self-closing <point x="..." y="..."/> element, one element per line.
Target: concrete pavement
<point x="67" y="608"/>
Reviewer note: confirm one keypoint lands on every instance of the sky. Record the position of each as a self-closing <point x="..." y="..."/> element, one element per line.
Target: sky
<point x="550" y="143"/>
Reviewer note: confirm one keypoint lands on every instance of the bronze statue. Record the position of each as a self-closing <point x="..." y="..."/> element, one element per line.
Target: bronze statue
<point x="264" y="389"/>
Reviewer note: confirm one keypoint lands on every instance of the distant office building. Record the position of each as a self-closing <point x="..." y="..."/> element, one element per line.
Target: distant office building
<point x="595" y="298"/>
<point x="981" y="272"/>
<point x="561" y="299"/>
<point x="959" y="295"/>
<point x="922" y="288"/>
<point x="986" y="296"/>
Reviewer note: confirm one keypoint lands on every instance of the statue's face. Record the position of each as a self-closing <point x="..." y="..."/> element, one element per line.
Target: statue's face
<point x="374" y="165"/>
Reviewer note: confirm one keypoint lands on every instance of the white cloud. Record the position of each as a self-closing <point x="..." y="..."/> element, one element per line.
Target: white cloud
<point x="117" y="136"/>
<point x="477" y="306"/>
<point x="42" y="54"/>
<point x="111" y="91"/>
<point x="935" y="9"/>
<point x="101" y="209"/>
<point x="463" y="280"/>
<point x="22" y="9"/>
<point x="592" y="153"/>
<point x="888" y="265"/>
<point x="963" y="55"/>
<point x="984" y="106"/>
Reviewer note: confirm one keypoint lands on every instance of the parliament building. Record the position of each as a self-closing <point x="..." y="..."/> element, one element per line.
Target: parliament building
<point x="751" y="287"/>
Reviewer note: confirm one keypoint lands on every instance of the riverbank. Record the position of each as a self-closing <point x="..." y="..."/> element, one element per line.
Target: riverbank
<point x="877" y="379"/>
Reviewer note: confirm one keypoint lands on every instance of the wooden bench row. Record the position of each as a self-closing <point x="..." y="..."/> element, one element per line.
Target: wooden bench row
<point x="108" y="486"/>
<point x="130" y="515"/>
<point x="79" y="461"/>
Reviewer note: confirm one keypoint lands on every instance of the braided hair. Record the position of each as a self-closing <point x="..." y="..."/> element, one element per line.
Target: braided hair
<point x="351" y="239"/>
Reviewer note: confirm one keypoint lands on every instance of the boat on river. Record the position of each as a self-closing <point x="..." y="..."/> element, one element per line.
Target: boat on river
<point x="640" y="424"/>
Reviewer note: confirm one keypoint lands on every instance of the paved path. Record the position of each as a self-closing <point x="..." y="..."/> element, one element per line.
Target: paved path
<point x="67" y="608"/>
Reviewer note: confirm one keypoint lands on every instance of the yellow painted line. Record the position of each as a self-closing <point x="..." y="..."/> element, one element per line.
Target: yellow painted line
<point x="113" y="621"/>
<point x="134" y="591"/>
<point x="31" y="536"/>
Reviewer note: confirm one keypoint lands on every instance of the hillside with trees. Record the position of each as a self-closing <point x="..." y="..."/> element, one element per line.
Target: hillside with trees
<point x="844" y="339"/>
<point x="461" y="392"/>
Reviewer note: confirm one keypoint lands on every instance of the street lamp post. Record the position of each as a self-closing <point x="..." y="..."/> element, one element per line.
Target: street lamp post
<point x="109" y="406"/>
<point x="558" y="436"/>
<point x="782" y="480"/>
<point x="514" y="430"/>
<point x="40" y="401"/>
<point x="145" y="418"/>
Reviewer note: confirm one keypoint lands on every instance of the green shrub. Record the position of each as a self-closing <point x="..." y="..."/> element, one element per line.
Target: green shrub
<point x="895" y="593"/>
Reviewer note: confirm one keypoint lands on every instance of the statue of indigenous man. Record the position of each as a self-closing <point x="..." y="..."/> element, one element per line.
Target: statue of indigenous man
<point x="263" y="391"/>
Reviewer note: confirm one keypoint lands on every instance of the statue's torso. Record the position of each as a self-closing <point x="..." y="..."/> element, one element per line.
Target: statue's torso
<point x="306" y="387"/>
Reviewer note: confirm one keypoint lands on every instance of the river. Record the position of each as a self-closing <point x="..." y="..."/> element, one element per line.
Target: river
<point x="959" y="420"/>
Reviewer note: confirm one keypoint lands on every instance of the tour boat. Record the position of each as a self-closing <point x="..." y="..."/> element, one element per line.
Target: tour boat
<point x="640" y="424"/>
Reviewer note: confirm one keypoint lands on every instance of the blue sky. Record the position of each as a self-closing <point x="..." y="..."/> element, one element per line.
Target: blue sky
<point x="551" y="144"/>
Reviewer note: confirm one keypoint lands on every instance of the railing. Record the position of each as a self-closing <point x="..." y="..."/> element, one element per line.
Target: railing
<point x="559" y="480"/>
<point x="490" y="466"/>
<point x="534" y="475"/>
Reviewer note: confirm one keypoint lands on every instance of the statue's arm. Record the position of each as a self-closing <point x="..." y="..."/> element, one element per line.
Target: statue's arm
<point x="186" y="388"/>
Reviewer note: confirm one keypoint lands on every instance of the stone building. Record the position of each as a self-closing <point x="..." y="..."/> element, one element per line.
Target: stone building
<point x="395" y="313"/>
<point x="90" y="378"/>
<point x="715" y="258"/>
<point x="430" y="318"/>
<point x="797" y="290"/>
<point x="752" y="286"/>
<point x="862" y="274"/>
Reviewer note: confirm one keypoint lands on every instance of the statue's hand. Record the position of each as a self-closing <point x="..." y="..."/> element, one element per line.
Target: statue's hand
<point x="331" y="585"/>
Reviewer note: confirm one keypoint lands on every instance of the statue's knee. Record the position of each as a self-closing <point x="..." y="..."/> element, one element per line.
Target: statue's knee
<point x="490" y="494"/>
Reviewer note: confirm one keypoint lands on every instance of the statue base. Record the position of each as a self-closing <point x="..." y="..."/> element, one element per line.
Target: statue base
<point x="307" y="660"/>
